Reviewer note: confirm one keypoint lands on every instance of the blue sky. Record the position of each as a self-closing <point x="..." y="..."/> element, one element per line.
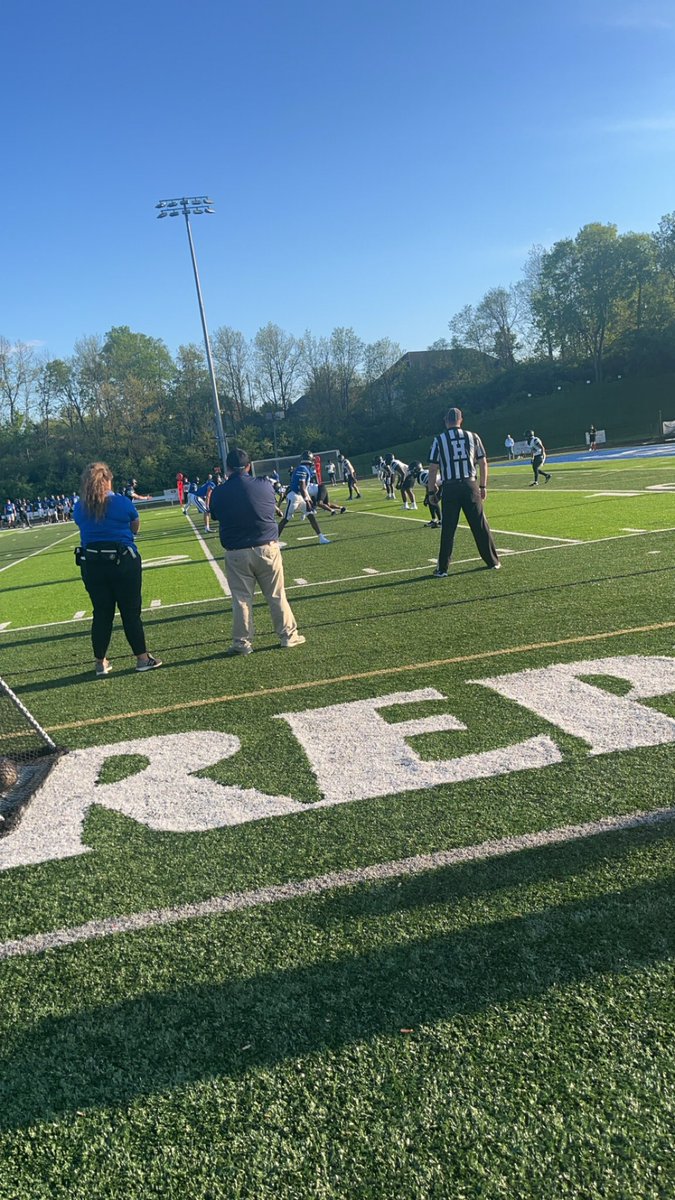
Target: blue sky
<point x="376" y="164"/>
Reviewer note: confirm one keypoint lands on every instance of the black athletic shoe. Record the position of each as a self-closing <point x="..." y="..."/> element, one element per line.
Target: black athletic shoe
<point x="548" y="478"/>
<point x="439" y="574"/>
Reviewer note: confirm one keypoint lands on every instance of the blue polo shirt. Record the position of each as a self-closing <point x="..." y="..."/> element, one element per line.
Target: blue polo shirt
<point x="244" y="508"/>
<point x="115" y="526"/>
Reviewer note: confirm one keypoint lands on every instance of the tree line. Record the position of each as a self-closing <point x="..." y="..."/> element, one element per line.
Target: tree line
<point x="596" y="299"/>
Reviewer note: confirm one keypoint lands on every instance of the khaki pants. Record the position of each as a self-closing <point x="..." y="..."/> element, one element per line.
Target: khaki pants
<point x="261" y="565"/>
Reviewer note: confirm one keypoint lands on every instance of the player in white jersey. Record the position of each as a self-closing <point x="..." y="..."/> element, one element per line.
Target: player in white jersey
<point x="538" y="458"/>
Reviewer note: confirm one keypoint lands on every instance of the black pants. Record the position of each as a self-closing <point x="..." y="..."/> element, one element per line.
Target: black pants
<point x="538" y="467"/>
<point x="351" y="484"/>
<point x="111" y="584"/>
<point x="464" y="496"/>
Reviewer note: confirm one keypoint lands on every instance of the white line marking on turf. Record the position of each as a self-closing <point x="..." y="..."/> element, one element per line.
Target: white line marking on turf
<point x="155" y="603"/>
<point x="307" y="539"/>
<point x="301" y="582"/>
<point x="217" y="570"/>
<point x="456" y="562"/>
<point x="32" y="554"/>
<point x="544" y="537"/>
<point x="165" y="562"/>
<point x="369" y="571"/>
<point x="5" y="625"/>
<point x="79" y="615"/>
<point x="629" y="529"/>
<point x="419" y="864"/>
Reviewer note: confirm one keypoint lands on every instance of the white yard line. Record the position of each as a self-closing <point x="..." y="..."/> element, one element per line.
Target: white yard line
<point x="543" y="537"/>
<point x="215" y="567"/>
<point x="18" y="561"/>
<point x="456" y="562"/>
<point x="419" y="864"/>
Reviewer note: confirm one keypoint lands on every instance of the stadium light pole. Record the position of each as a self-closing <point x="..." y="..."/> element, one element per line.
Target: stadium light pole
<point x="197" y="205"/>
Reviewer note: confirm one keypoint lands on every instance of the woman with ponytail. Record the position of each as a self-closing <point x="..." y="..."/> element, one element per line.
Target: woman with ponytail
<point x="110" y="565"/>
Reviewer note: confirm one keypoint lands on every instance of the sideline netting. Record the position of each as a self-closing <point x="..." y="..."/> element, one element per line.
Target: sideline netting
<point x="286" y="464"/>
<point x="27" y="754"/>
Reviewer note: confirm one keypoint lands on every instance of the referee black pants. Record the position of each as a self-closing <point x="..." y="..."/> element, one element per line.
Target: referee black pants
<point x="113" y="584"/>
<point x="463" y="496"/>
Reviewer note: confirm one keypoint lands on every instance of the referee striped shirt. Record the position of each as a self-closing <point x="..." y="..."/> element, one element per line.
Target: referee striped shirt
<point x="456" y="452"/>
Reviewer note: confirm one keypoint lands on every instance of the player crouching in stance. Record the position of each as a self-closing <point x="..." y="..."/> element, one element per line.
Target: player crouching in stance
<point x="432" y="499"/>
<point x="299" y="499"/>
<point x="408" y="485"/>
<point x="388" y="476"/>
<point x="319" y="494"/>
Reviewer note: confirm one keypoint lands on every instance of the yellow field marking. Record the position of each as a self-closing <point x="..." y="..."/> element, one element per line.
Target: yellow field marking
<point x="375" y="674"/>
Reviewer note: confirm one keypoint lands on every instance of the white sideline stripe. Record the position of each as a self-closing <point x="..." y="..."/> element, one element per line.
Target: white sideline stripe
<point x="629" y="529"/>
<point x="456" y="562"/>
<point x="217" y="570"/>
<point x="32" y="554"/>
<point x="419" y="864"/>
<point x="79" y="615"/>
<point x="544" y="537"/>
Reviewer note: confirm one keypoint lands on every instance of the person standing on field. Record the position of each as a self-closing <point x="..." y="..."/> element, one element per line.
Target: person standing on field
<point x="538" y="452"/>
<point x="110" y="565"/>
<point x="244" y="508"/>
<point x="509" y="444"/>
<point x="350" y="479"/>
<point x="456" y="458"/>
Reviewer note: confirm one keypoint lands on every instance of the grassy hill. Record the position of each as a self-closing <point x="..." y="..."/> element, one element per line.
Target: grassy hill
<point x="628" y="409"/>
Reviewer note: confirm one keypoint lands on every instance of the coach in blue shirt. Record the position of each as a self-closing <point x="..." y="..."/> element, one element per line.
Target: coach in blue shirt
<point x="245" y="510"/>
<point x="110" y="565"/>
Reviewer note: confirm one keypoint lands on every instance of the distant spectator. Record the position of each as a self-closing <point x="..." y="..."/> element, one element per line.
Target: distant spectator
<point x="509" y="444"/>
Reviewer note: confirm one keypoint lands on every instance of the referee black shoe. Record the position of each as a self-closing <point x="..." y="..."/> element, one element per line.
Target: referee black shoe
<point x="439" y="574"/>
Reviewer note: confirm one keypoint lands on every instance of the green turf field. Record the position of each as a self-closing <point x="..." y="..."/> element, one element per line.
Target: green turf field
<point x="261" y="938"/>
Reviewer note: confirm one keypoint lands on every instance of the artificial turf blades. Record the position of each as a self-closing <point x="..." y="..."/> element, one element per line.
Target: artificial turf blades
<point x="493" y="1028"/>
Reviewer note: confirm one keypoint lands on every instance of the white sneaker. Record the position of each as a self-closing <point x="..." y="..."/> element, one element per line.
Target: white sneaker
<point x="405" y="505"/>
<point x="323" y="540"/>
<point x="414" y="506"/>
<point x="297" y="640"/>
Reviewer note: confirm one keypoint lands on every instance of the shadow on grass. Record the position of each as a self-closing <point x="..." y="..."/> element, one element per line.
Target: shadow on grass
<point x="111" y="1055"/>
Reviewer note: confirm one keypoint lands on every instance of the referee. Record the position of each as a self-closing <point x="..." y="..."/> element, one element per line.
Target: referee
<point x="454" y="455"/>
